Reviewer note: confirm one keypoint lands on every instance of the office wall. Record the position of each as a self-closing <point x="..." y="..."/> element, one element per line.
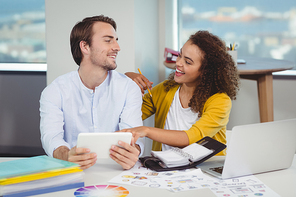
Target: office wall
<point x="61" y="16"/>
<point x="146" y="38"/>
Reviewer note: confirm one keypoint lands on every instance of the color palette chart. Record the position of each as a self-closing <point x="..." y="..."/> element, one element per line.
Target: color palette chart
<point x="101" y="190"/>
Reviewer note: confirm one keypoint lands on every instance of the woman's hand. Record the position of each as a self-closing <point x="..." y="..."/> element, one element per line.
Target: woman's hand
<point x="177" y="138"/>
<point x="137" y="132"/>
<point x="141" y="80"/>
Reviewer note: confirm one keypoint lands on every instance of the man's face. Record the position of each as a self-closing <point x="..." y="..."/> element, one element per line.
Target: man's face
<point x="104" y="46"/>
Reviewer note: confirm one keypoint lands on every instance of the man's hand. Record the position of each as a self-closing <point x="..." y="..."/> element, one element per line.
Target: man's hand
<point x="140" y="80"/>
<point x="81" y="156"/>
<point x="126" y="156"/>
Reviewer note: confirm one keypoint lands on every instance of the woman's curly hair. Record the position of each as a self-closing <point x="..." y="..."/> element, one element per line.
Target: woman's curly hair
<point x="218" y="71"/>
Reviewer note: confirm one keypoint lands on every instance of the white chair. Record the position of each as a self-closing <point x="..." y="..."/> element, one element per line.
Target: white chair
<point x="228" y="136"/>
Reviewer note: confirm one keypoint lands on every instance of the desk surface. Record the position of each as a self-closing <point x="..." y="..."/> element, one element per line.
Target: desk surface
<point x="282" y="182"/>
<point x="256" y="65"/>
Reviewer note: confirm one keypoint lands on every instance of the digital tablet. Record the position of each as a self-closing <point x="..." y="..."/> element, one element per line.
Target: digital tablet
<point x="100" y="143"/>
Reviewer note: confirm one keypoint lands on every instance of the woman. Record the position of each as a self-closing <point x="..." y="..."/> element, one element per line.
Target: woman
<point x="195" y="101"/>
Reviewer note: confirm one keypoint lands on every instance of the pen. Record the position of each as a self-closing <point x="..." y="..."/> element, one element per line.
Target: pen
<point x="145" y="83"/>
<point x="233" y="46"/>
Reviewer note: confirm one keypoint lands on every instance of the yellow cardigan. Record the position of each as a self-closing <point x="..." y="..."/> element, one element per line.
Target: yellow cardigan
<point x="212" y="123"/>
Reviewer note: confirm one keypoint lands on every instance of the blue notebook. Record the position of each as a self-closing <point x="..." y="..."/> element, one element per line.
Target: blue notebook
<point x="46" y="190"/>
<point x="32" y="165"/>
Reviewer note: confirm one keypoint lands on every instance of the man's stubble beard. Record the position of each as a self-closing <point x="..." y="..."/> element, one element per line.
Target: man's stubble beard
<point x="109" y="66"/>
<point x="105" y="65"/>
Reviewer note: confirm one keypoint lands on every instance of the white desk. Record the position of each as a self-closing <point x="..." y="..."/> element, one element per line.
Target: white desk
<point x="282" y="182"/>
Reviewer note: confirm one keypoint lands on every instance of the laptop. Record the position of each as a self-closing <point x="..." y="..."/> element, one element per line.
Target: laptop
<point x="256" y="148"/>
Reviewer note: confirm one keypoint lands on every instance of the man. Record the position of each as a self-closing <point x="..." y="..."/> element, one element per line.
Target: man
<point x="95" y="98"/>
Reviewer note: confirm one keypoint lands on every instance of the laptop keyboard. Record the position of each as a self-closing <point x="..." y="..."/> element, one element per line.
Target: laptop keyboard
<point x="217" y="169"/>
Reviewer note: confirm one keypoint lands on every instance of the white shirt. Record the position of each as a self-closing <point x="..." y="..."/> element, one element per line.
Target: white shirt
<point x="68" y="107"/>
<point x="179" y="118"/>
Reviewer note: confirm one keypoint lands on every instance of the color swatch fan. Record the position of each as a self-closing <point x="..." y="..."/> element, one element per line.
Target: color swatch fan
<point x="101" y="190"/>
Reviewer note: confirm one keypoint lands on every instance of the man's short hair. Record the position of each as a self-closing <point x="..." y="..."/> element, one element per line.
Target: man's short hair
<point x="82" y="31"/>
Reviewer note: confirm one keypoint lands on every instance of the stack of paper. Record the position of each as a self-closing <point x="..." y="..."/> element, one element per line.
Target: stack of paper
<point x="37" y="175"/>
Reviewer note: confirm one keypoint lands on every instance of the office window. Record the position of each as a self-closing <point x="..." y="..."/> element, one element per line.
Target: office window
<point x="22" y="31"/>
<point x="265" y="28"/>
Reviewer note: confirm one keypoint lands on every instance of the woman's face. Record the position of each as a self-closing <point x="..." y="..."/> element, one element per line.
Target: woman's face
<point x="188" y="64"/>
